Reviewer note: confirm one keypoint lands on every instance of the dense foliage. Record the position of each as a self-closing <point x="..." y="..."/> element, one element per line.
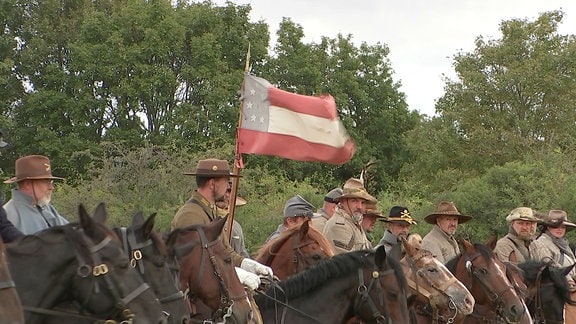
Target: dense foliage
<point x="125" y="95"/>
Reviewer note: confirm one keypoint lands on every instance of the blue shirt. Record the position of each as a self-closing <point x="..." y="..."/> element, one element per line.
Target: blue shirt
<point x="29" y="217"/>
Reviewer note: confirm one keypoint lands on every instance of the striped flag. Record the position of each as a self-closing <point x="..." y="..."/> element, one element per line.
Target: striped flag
<point x="291" y="126"/>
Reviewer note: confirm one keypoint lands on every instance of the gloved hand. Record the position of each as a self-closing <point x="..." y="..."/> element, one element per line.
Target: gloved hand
<point x="257" y="268"/>
<point x="248" y="279"/>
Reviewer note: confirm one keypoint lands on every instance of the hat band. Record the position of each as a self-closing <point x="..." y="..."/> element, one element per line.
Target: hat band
<point x="210" y="172"/>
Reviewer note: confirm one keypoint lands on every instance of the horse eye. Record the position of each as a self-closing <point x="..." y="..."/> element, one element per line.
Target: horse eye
<point x="432" y="270"/>
<point x="316" y="257"/>
<point x="228" y="260"/>
<point x="392" y="295"/>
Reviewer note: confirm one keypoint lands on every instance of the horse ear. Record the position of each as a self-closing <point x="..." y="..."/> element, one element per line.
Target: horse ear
<point x="565" y="271"/>
<point x="464" y="244"/>
<point x="138" y="218"/>
<point x="304" y="228"/>
<point x="491" y="242"/>
<point x="380" y="257"/>
<point x="100" y="213"/>
<point x="148" y="226"/>
<point x="220" y="223"/>
<point x="86" y="222"/>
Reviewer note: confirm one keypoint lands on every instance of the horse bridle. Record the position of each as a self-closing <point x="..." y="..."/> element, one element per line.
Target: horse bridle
<point x="134" y="250"/>
<point x="296" y="247"/>
<point x="539" y="316"/>
<point x="494" y="297"/>
<point x="96" y="268"/>
<point x="224" y="310"/>
<point x="438" y="290"/>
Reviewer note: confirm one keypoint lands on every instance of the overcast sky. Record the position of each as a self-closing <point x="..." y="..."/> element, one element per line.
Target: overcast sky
<point x="423" y="35"/>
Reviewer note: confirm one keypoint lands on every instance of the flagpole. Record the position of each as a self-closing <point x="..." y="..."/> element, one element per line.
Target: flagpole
<point x="237" y="158"/>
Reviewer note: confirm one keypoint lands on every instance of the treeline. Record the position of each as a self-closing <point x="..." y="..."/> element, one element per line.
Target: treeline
<point x="125" y="95"/>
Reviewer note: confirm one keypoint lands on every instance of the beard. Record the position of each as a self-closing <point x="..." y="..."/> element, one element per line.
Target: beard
<point x="44" y="201"/>
<point x="357" y="216"/>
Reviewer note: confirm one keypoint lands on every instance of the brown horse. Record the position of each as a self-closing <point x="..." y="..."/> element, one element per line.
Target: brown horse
<point x="206" y="270"/>
<point x="440" y="297"/>
<point x="296" y="249"/>
<point x="484" y="275"/>
<point x="10" y="306"/>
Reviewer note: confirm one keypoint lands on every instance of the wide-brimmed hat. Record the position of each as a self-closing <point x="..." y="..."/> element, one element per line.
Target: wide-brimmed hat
<point x="212" y="168"/>
<point x="400" y="214"/>
<point x="557" y="218"/>
<point x="354" y="188"/>
<point x="446" y="208"/>
<point x="522" y="213"/>
<point x="333" y="196"/>
<point x="32" y="167"/>
<point x="240" y="201"/>
<point x="298" y="206"/>
<point x="372" y="210"/>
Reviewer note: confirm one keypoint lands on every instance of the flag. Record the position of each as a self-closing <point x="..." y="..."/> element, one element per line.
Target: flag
<point x="291" y="126"/>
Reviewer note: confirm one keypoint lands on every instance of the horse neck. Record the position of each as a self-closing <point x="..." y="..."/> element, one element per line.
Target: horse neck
<point x="47" y="273"/>
<point x="337" y="294"/>
<point x="284" y="261"/>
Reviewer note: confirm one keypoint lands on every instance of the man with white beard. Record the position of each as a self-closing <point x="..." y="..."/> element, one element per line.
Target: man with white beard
<point x="344" y="229"/>
<point x="29" y="209"/>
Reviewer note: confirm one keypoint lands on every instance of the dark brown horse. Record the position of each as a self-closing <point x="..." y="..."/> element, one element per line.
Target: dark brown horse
<point x="485" y="276"/>
<point x="10" y="306"/>
<point x="296" y="249"/>
<point x="207" y="272"/>
<point x="547" y="291"/>
<point x="80" y="263"/>
<point x="365" y="284"/>
<point x="149" y="256"/>
<point x="439" y="296"/>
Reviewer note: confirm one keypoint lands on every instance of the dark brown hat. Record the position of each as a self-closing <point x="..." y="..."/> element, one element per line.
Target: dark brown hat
<point x="212" y="168"/>
<point x="556" y="218"/>
<point x="32" y="167"/>
<point x="372" y="210"/>
<point x="446" y="208"/>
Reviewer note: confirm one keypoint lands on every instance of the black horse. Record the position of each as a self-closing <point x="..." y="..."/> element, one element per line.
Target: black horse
<point x="81" y="263"/>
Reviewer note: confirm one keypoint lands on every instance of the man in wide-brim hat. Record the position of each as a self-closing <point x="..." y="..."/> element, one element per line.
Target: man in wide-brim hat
<point x="344" y="229"/>
<point x="398" y="226"/>
<point x="371" y="215"/>
<point x="553" y="247"/>
<point x="212" y="181"/>
<point x="440" y="240"/>
<point x="30" y="209"/>
<point x="514" y="246"/>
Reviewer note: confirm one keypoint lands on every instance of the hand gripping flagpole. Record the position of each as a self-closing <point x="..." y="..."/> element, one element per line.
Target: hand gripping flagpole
<point x="238" y="164"/>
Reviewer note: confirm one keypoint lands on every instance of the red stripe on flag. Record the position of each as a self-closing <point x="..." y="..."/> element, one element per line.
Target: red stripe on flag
<point x="324" y="106"/>
<point x="291" y="147"/>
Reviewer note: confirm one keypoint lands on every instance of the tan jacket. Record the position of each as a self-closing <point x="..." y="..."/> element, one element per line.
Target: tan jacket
<point x="199" y="211"/>
<point x="344" y="234"/>
<point x="511" y="248"/>
<point x="319" y="220"/>
<point x="544" y="249"/>
<point x="443" y="246"/>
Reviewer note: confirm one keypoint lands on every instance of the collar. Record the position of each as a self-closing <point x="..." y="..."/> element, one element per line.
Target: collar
<point x="20" y="196"/>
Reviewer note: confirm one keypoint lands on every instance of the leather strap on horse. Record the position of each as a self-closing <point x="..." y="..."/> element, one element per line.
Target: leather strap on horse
<point x="52" y="312"/>
<point x="286" y="305"/>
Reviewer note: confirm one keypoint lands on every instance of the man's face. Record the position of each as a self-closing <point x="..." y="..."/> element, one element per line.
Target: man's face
<point x="353" y="205"/>
<point x="524" y="229"/>
<point x="220" y="186"/>
<point x="42" y="189"/>
<point x="448" y="224"/>
<point x="295" y="221"/>
<point x="557" y="232"/>
<point x="368" y="222"/>
<point x="399" y="229"/>
<point x="329" y="208"/>
<point x="224" y="202"/>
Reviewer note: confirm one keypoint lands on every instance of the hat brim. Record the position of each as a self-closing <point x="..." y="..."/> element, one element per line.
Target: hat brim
<point x="399" y="220"/>
<point x="569" y="226"/>
<point x="16" y="180"/>
<point x="361" y="195"/>
<point x="431" y="219"/>
<point x="212" y="175"/>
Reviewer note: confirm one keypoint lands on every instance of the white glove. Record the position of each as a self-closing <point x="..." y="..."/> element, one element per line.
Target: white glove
<point x="248" y="279"/>
<point x="257" y="268"/>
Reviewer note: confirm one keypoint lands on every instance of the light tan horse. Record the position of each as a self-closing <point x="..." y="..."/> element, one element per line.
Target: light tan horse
<point x="438" y="296"/>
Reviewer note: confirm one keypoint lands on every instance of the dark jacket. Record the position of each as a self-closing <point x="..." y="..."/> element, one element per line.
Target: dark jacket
<point x="8" y="232"/>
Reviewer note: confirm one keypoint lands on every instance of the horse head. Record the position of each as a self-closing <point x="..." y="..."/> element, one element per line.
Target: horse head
<point x="83" y="263"/>
<point x="207" y="271"/>
<point x="149" y="256"/>
<point x="485" y="276"/>
<point x="296" y="249"/>
<point x="429" y="278"/>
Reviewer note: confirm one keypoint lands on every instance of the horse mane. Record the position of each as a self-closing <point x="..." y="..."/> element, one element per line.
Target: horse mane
<point x="531" y="269"/>
<point x="325" y="270"/>
<point x="271" y="248"/>
<point x="485" y="252"/>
